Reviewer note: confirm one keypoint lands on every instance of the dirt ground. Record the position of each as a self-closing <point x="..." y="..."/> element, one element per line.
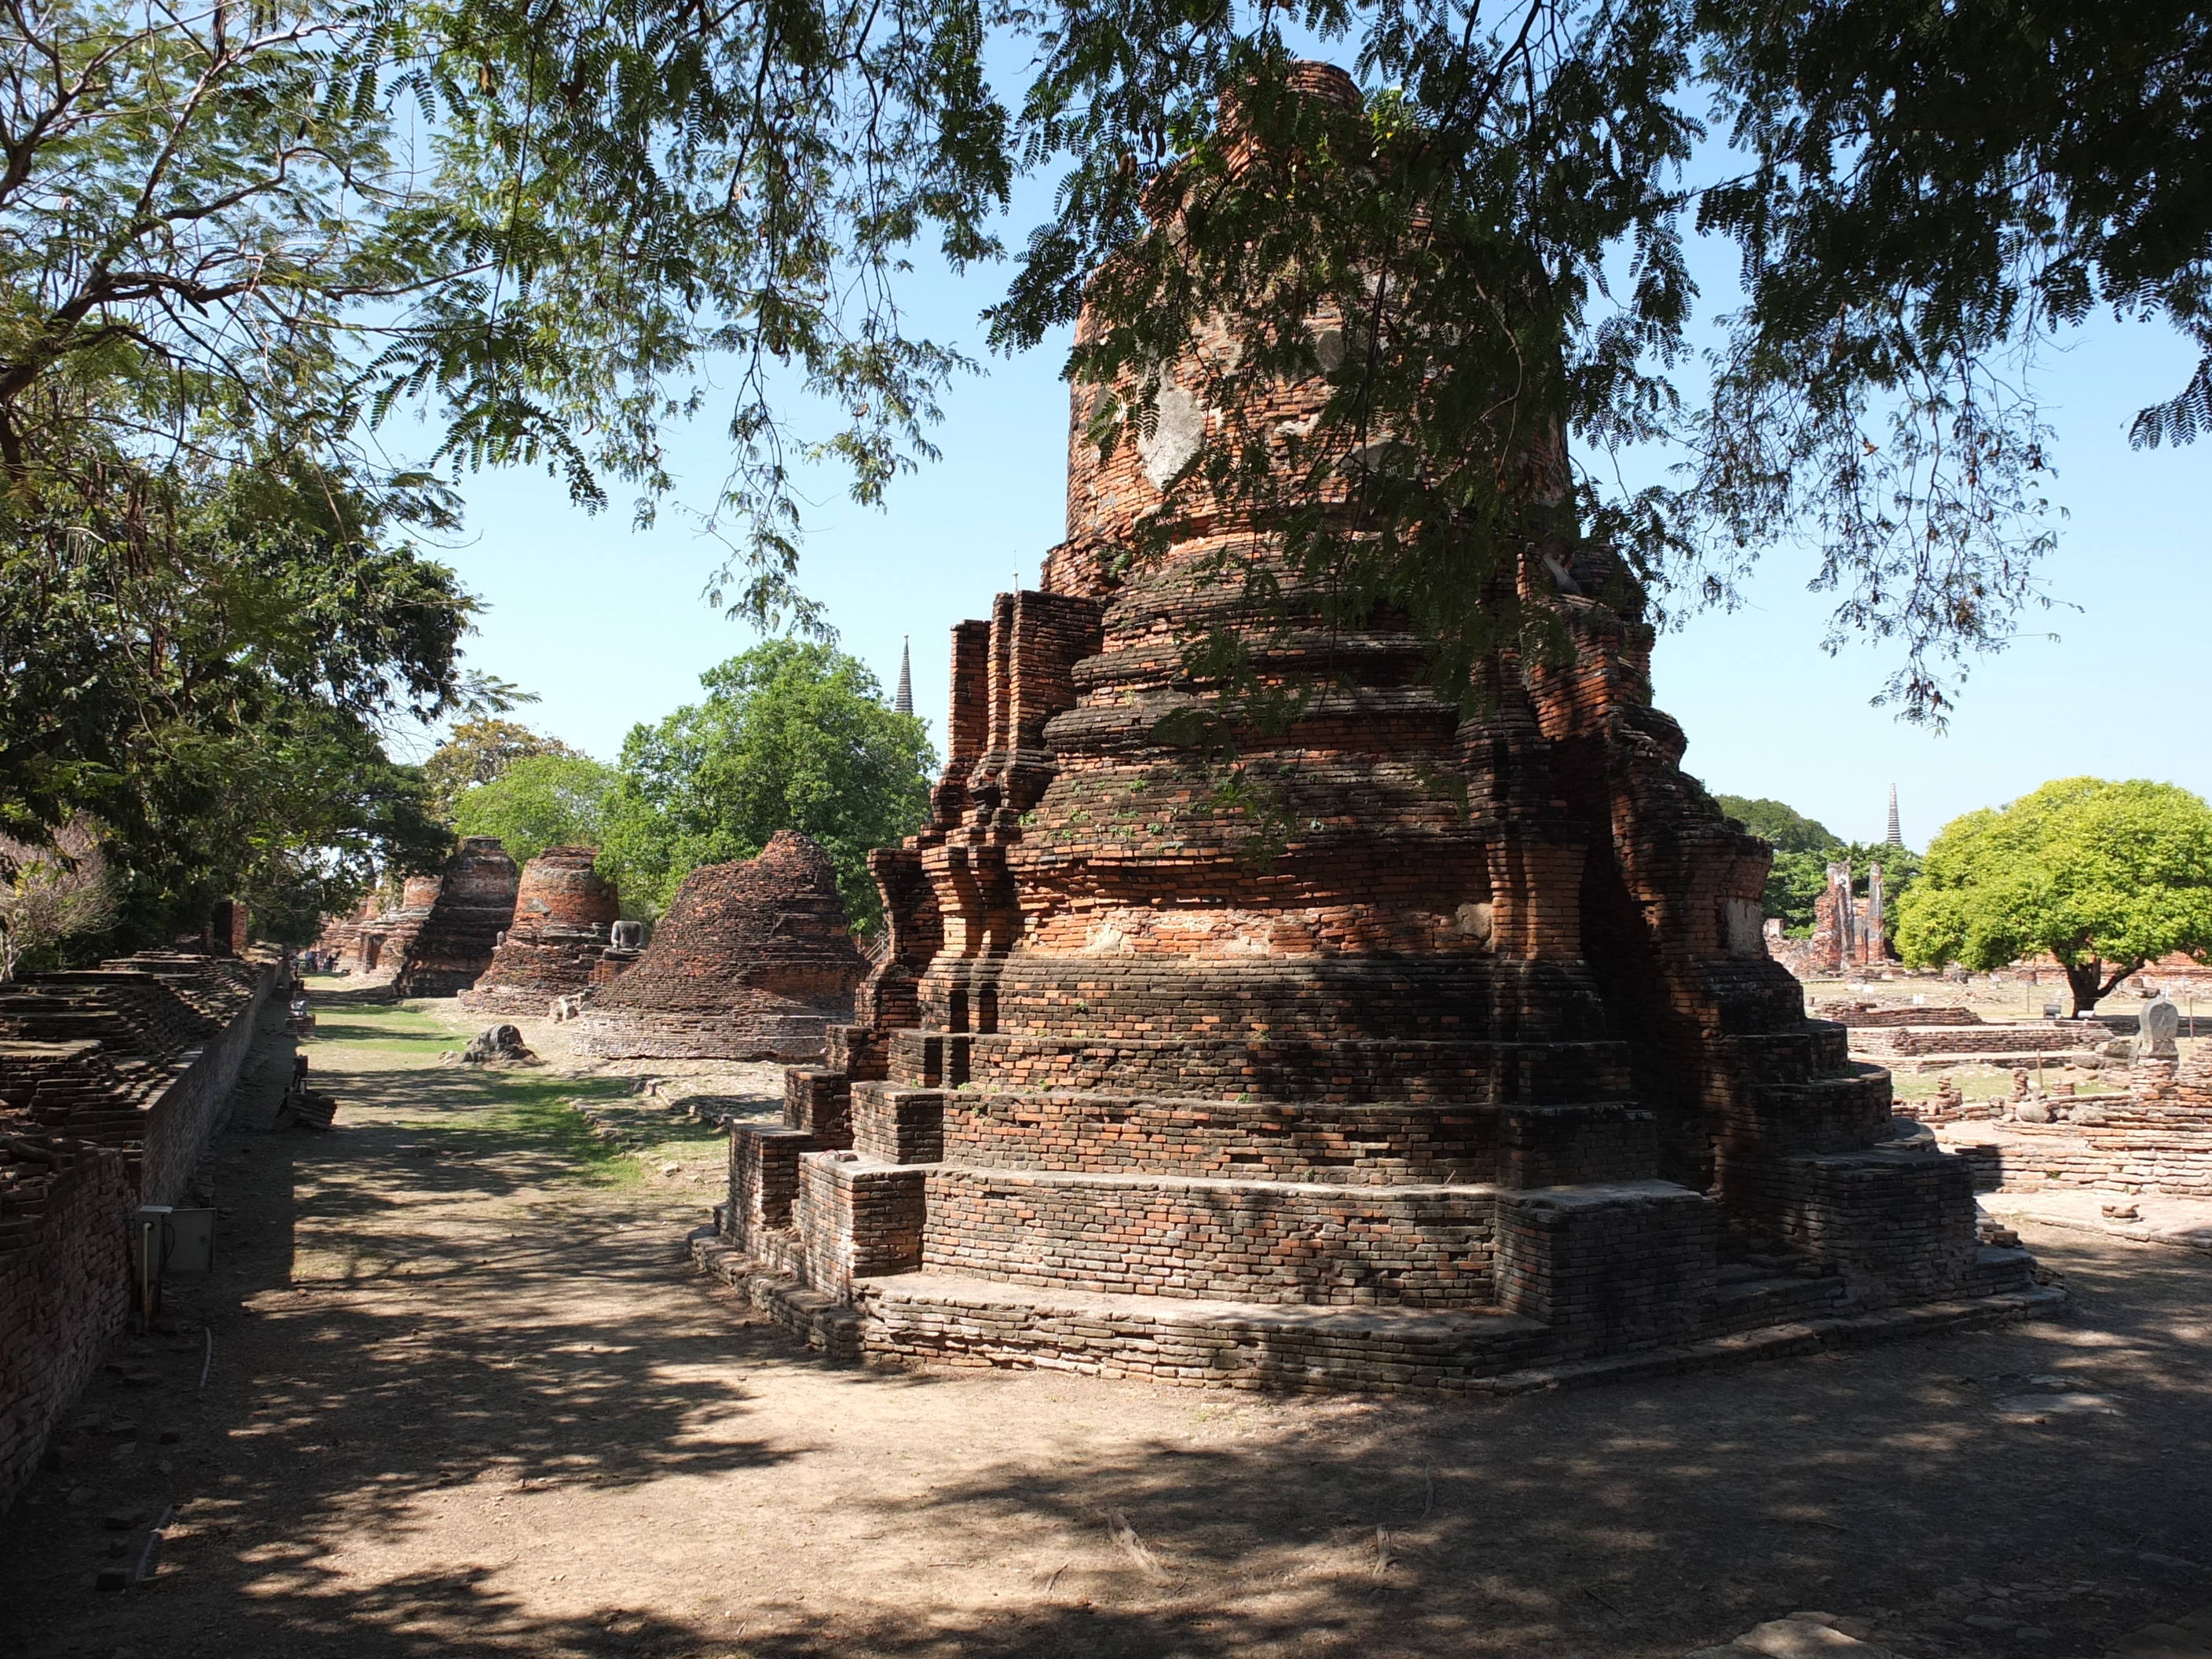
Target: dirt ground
<point x="465" y="1395"/>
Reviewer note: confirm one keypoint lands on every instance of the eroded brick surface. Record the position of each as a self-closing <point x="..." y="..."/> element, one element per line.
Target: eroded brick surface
<point x="1461" y="1028"/>
<point x="754" y="961"/>
<point x="564" y="915"/>
<point x="112" y="1080"/>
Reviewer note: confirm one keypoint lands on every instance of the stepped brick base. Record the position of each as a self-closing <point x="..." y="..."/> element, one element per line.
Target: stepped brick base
<point x="940" y="1318"/>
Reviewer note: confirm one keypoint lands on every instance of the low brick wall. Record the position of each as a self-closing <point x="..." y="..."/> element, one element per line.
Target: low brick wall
<point x="2045" y="1036"/>
<point x="115" y="1114"/>
<point x="184" y="1117"/>
<point x="64" y="1285"/>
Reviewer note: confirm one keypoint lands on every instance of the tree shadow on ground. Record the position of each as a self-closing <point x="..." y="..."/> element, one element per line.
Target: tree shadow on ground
<point x="450" y="1375"/>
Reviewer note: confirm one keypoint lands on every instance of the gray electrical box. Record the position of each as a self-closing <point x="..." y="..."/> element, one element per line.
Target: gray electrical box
<point x="166" y="1242"/>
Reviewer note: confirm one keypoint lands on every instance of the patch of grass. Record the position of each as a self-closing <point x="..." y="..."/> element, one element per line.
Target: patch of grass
<point x="481" y="1111"/>
<point x="533" y="1112"/>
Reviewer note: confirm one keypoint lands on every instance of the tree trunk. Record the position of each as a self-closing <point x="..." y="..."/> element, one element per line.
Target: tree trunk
<point x="2081" y="978"/>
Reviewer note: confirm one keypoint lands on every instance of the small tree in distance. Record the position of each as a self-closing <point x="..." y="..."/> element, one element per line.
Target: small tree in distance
<point x="477" y="752"/>
<point x="2104" y="877"/>
<point x="545" y="800"/>
<point x="792" y="735"/>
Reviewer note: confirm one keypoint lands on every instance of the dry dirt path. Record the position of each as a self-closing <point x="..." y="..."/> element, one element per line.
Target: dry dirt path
<point x="465" y="1397"/>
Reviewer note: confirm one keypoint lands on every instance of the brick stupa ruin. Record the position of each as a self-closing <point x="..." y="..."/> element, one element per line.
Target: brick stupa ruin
<point x="564" y="917"/>
<point x="1461" y="1087"/>
<point x="754" y="961"/>
<point x="377" y="940"/>
<point x="475" y="904"/>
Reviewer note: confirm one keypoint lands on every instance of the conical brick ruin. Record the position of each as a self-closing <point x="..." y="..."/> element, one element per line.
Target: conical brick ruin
<point x="564" y="917"/>
<point x="1483" y="1073"/>
<point x="376" y="943"/>
<point x="475" y="904"/>
<point x="755" y="960"/>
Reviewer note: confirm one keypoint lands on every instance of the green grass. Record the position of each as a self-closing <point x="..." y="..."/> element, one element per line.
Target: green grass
<point x="481" y="1111"/>
<point x="532" y="1114"/>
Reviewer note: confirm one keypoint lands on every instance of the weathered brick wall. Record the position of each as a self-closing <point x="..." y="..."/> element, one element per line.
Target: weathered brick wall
<point x="1609" y="1268"/>
<point x="64" y="1284"/>
<point x="1398" y="1247"/>
<point x="183" y="1118"/>
<point x="112" y="1083"/>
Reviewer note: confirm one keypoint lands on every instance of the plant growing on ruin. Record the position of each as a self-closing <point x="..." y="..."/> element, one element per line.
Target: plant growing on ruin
<point x="52" y="891"/>
<point x="2104" y="877"/>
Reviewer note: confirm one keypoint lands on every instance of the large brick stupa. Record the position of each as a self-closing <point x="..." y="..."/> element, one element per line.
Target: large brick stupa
<point x="473" y="905"/>
<point x="755" y="960"/>
<point x="1485" y="1073"/>
<point x="564" y="917"/>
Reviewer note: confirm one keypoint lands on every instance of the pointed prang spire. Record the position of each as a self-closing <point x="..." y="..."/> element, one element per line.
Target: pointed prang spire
<point x="1896" y="837"/>
<point x="903" y="700"/>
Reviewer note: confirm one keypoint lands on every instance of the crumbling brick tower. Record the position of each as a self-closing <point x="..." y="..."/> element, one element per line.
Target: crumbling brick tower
<point x="1484" y="1070"/>
<point x="473" y="905"/>
<point x="754" y="961"/>
<point x="564" y="915"/>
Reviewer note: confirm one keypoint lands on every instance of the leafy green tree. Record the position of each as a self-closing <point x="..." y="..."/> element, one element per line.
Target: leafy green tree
<point x="551" y="799"/>
<point x="481" y="750"/>
<point x="1790" y="830"/>
<point x="208" y="675"/>
<point x="226" y="242"/>
<point x="792" y="735"/>
<point x="2104" y="877"/>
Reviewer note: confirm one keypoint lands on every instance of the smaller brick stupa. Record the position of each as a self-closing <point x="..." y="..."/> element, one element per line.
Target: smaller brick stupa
<point x="754" y="961"/>
<point x="475" y="905"/>
<point x="381" y="943"/>
<point x="564" y="917"/>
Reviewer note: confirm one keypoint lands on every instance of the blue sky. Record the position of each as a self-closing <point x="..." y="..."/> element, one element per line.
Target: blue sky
<point x="609" y="628"/>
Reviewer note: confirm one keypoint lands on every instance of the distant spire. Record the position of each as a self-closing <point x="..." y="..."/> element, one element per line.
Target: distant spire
<point x="903" y="703"/>
<point x="1896" y="837"/>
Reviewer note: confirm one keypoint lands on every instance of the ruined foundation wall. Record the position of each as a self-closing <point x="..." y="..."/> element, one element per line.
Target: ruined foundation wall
<point x="113" y="1083"/>
<point x="64" y="1284"/>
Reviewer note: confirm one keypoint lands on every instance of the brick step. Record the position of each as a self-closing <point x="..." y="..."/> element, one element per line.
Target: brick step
<point x="956" y="1319"/>
<point x="1441" y="1071"/>
<point x="1393" y="1144"/>
<point x="947" y="1319"/>
<point x="1747" y="1304"/>
<point x="1273" y="1241"/>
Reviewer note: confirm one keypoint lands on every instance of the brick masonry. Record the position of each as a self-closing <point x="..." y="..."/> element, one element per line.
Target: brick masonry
<point x="1458" y="1054"/>
<point x="113" y="1082"/>
<point x="2156" y="1138"/>
<point x="754" y="961"/>
<point x="564" y="917"/>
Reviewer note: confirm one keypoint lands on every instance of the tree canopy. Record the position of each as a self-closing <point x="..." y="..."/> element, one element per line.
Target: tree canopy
<point x="272" y="281"/>
<point x="481" y="750"/>
<point x="2104" y="877"/>
<point x="552" y="230"/>
<point x="1790" y="830"/>
<point x="542" y="801"/>
<point x="792" y="735"/>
